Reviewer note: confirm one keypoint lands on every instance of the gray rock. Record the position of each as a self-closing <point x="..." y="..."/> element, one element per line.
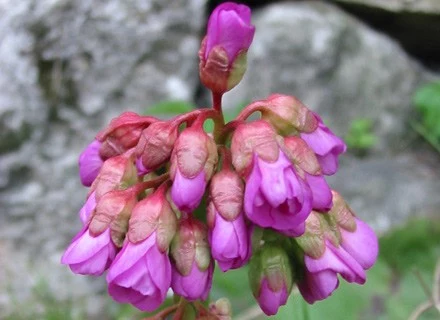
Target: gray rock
<point x="333" y="63"/>
<point x="67" y="68"/>
<point x="388" y="191"/>
<point x="414" y="6"/>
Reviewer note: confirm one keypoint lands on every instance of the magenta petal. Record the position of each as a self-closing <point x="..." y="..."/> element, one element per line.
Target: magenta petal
<point x="318" y="286"/>
<point x="89" y="255"/>
<point x="362" y="244"/>
<point x="160" y="264"/>
<point x="270" y="301"/>
<point x="273" y="184"/>
<point x="187" y="193"/>
<point x="194" y="286"/>
<point x="321" y="193"/>
<point x="87" y="209"/>
<point x="90" y="163"/>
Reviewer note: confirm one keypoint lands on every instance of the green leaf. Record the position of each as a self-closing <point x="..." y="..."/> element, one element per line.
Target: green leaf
<point x="169" y="108"/>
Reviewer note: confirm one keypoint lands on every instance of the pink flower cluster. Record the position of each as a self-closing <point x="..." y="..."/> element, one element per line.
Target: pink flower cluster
<point x="267" y="202"/>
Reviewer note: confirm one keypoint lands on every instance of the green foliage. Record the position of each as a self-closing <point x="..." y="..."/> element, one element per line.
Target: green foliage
<point x="169" y="108"/>
<point x="360" y="136"/>
<point x="427" y="103"/>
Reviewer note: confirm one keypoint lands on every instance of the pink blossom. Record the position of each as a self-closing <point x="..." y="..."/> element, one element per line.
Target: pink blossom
<point x="276" y="197"/>
<point x="90" y="163"/>
<point x="326" y="145"/>
<point x="357" y="252"/>
<point x="196" y="285"/>
<point x="90" y="255"/>
<point x="270" y="300"/>
<point x="140" y="275"/>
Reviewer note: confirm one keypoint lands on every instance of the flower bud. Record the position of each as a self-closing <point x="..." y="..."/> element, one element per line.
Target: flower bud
<point x="87" y="209"/>
<point x="118" y="172"/>
<point x="155" y="144"/>
<point x="288" y="115"/>
<point x="270" y="276"/>
<point x="122" y="133"/>
<point x="326" y="145"/>
<point x="223" y="51"/>
<point x="192" y="165"/>
<point x="193" y="266"/>
<point x="113" y="211"/>
<point x="256" y="137"/>
<point x="90" y="162"/>
<point x="153" y="214"/>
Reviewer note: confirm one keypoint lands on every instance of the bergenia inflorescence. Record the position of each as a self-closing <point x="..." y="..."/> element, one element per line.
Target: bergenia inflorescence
<point x="167" y="200"/>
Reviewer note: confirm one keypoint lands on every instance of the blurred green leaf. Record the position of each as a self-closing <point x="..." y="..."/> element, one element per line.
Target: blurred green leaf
<point x="360" y="135"/>
<point x="169" y="108"/>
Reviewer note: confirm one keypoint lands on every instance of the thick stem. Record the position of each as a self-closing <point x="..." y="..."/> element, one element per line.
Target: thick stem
<point x="217" y="101"/>
<point x="226" y="158"/>
<point x="139" y="187"/>
<point x="227" y="130"/>
<point x="180" y="309"/>
<point x="258" y="105"/>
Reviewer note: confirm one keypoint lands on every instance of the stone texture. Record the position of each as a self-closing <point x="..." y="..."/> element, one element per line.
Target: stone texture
<point x="416" y="6"/>
<point x="334" y="64"/>
<point x="67" y="67"/>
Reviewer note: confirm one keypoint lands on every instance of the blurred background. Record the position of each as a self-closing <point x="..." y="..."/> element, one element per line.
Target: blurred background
<point x="371" y="68"/>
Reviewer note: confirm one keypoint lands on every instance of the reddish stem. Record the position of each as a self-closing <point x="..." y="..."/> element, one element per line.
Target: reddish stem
<point x="227" y="158"/>
<point x="139" y="187"/>
<point x="258" y="105"/>
<point x="217" y="101"/>
<point x="165" y="312"/>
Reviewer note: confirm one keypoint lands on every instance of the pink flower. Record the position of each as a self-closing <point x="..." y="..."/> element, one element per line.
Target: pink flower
<point x="87" y="209"/>
<point x="230" y="242"/>
<point x="196" y="285"/>
<point x="140" y="275"/>
<point x="276" y="197"/>
<point x="356" y="253"/>
<point x="321" y="192"/>
<point x="270" y="300"/>
<point x="229" y="27"/>
<point x="188" y="192"/>
<point x="326" y="145"/>
<point x="90" y="163"/>
<point x="90" y="255"/>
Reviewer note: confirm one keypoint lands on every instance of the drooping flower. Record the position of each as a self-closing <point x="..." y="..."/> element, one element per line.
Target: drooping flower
<point x="326" y="145"/>
<point x="192" y="164"/>
<point x="275" y="195"/>
<point x="270" y="277"/>
<point x="141" y="272"/>
<point x="229" y="235"/>
<point x="90" y="255"/>
<point x="340" y="244"/>
<point x="90" y="162"/>
<point x="192" y="262"/>
<point x="87" y="208"/>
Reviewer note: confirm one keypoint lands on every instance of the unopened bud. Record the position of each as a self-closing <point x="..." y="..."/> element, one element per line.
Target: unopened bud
<point x="270" y="276"/>
<point x="116" y="173"/>
<point x="113" y="210"/>
<point x="155" y="144"/>
<point x="193" y="161"/>
<point x="302" y="155"/>
<point x="257" y="137"/>
<point x="288" y="115"/>
<point x="154" y="213"/>
<point x="122" y="133"/>
<point x="342" y="213"/>
<point x="223" y="51"/>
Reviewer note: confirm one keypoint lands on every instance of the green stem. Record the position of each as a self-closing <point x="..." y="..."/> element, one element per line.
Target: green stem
<point x="305" y="309"/>
<point x="180" y="309"/>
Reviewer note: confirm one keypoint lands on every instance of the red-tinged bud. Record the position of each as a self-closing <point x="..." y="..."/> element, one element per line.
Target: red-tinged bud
<point x="312" y="242"/>
<point x="227" y="192"/>
<point x="155" y="144"/>
<point x="113" y="210"/>
<point x="288" y="115"/>
<point x="193" y="160"/>
<point x="257" y="137"/>
<point x="122" y="134"/>
<point x="223" y="51"/>
<point x="153" y="214"/>
<point x="116" y="173"/>
<point x="302" y="155"/>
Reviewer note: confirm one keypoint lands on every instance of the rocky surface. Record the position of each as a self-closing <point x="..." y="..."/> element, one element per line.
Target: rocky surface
<point x="67" y="67"/>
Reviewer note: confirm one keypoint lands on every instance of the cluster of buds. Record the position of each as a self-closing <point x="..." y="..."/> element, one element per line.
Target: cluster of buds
<point x="168" y="201"/>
